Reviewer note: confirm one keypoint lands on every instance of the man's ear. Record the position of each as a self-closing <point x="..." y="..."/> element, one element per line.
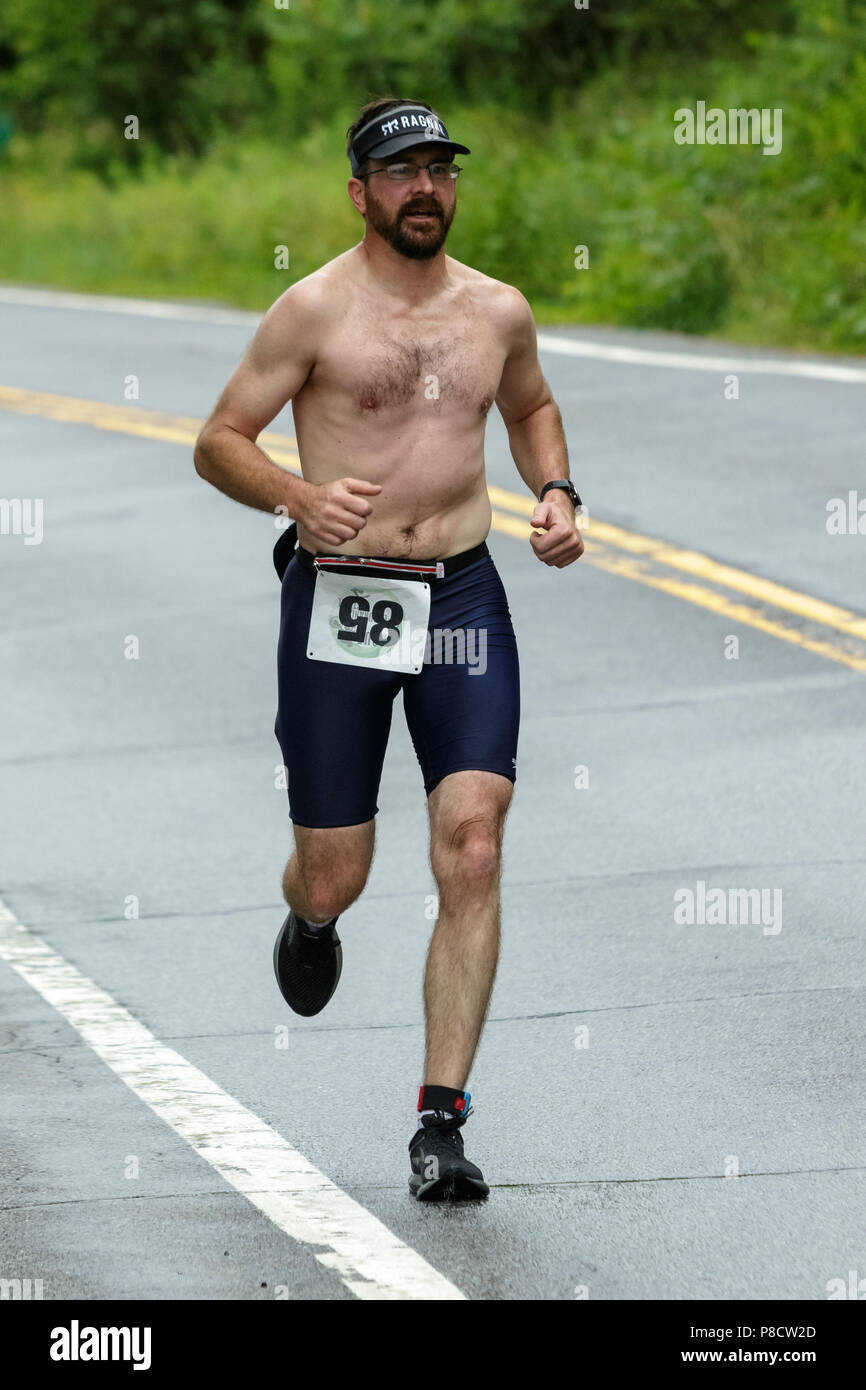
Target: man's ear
<point x="358" y="194"/>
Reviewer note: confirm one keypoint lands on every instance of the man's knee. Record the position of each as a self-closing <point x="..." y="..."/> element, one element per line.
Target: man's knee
<point x="469" y="853"/>
<point x="330" y="897"/>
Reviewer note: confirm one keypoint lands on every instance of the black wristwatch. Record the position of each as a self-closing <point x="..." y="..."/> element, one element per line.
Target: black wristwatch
<point x="567" y="486"/>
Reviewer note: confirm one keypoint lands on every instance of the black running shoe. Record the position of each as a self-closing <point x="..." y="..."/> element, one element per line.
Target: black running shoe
<point x="307" y="964"/>
<point x="440" y="1172"/>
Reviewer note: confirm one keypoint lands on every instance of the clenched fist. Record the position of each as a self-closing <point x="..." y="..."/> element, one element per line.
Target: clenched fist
<point x="561" y="543"/>
<point x="334" y="513"/>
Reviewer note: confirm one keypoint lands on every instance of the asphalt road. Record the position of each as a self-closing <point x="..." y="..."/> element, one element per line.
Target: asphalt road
<point x="663" y="1109"/>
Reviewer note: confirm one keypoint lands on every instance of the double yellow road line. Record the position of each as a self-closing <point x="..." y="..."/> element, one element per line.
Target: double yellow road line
<point x="822" y="628"/>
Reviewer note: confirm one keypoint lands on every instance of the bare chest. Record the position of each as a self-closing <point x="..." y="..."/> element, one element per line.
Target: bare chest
<point x="380" y="368"/>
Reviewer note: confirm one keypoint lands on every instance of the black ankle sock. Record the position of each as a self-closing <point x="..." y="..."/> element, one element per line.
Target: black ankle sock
<point x="432" y="1098"/>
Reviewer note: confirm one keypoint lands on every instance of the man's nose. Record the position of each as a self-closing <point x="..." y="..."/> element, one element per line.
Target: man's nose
<point x="424" y="175"/>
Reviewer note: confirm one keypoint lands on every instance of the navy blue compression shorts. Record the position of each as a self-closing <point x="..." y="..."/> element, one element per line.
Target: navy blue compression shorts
<point x="333" y="721"/>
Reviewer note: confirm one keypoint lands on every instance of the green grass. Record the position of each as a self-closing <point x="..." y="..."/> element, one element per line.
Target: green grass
<point x="716" y="240"/>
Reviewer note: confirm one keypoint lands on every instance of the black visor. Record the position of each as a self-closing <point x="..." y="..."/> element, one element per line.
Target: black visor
<point x="397" y="130"/>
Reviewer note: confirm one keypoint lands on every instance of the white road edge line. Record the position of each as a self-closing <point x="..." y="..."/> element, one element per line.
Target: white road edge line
<point x="700" y="362"/>
<point x="547" y="342"/>
<point x="116" y="304"/>
<point x="257" y="1161"/>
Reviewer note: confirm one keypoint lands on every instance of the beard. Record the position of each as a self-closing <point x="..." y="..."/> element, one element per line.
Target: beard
<point x="416" y="243"/>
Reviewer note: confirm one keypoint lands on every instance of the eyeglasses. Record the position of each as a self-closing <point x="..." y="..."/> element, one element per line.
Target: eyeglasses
<point x="404" y="173"/>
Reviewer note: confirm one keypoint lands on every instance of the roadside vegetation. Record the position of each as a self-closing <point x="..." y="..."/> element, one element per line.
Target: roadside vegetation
<point x="242" y="111"/>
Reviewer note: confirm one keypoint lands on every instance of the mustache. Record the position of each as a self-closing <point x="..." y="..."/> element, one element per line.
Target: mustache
<point x="435" y="210"/>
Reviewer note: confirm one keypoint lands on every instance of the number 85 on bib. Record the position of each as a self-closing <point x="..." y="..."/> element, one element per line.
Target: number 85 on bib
<point x="377" y="623"/>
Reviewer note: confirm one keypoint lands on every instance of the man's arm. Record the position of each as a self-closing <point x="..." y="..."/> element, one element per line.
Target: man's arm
<point x="536" y="438"/>
<point x="273" y="370"/>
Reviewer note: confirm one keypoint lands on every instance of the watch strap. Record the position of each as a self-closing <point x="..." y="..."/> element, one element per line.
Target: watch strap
<point x="567" y="486"/>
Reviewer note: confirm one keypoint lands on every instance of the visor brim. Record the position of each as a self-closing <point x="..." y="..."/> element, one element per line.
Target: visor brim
<point x="409" y="140"/>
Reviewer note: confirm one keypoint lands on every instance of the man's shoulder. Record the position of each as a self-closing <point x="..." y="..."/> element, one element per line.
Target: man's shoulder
<point x="498" y="299"/>
<point x="315" y="295"/>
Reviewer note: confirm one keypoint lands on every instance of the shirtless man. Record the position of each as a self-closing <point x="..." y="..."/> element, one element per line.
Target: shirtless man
<point x="392" y="355"/>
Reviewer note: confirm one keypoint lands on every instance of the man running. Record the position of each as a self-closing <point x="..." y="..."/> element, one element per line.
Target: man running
<point x="392" y="355"/>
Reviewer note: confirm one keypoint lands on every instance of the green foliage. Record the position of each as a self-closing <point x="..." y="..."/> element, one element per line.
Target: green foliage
<point x="703" y="239"/>
<point x="190" y="70"/>
<point x="182" y="69"/>
<point x="481" y="51"/>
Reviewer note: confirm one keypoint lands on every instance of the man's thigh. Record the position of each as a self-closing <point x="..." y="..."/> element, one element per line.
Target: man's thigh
<point x="340" y="854"/>
<point x="463" y="710"/>
<point x="332" y="722"/>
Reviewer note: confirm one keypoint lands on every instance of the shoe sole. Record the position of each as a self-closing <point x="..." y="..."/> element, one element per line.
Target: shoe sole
<point x="304" y="1013"/>
<point x="453" y="1187"/>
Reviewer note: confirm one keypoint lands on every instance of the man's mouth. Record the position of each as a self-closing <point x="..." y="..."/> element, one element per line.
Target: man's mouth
<point x="421" y="216"/>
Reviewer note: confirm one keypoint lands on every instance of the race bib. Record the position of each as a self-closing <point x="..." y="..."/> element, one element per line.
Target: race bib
<point x="372" y="622"/>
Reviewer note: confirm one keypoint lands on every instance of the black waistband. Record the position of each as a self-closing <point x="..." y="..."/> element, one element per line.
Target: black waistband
<point x="411" y="568"/>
